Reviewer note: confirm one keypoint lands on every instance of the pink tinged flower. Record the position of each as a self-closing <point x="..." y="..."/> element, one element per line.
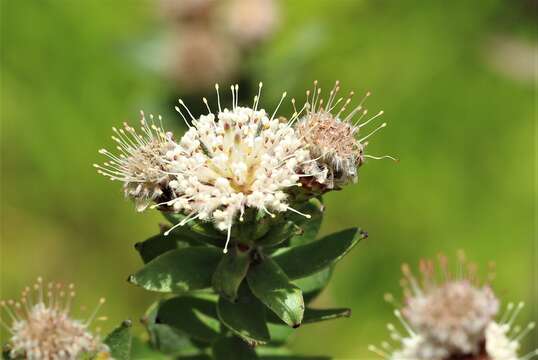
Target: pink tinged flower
<point x="331" y="134"/>
<point x="42" y="328"/>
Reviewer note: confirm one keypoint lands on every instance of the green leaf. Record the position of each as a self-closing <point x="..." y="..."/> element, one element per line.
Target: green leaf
<point x="313" y="284"/>
<point x="179" y="270"/>
<point x="190" y="315"/>
<point x="293" y="357"/>
<point x="230" y="272"/>
<point x="271" y="285"/>
<point x="316" y="315"/>
<point x="224" y="347"/>
<point x="278" y="233"/>
<point x="300" y="261"/>
<point x="245" y="318"/>
<point x="119" y="341"/>
<point x="5" y="352"/>
<point x="309" y="226"/>
<point x="159" y="244"/>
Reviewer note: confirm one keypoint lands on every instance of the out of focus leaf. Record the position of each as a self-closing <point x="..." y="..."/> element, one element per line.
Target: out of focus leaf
<point x="227" y="348"/>
<point x="193" y="316"/>
<point x="119" y="341"/>
<point x="179" y="270"/>
<point x="271" y="285"/>
<point x="246" y="317"/>
<point x="229" y="274"/>
<point x="316" y="315"/>
<point x="142" y="351"/>
<point x="293" y="357"/>
<point x="303" y="260"/>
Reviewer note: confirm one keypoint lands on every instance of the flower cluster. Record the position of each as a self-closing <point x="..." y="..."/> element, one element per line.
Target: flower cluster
<point x="236" y="159"/>
<point x="452" y="318"/>
<point x="332" y="137"/>
<point x="42" y="328"/>
<point x="143" y="162"/>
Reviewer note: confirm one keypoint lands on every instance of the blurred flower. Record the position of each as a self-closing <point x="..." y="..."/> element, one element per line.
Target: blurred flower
<point x="209" y="39"/>
<point x="186" y="9"/>
<point x="250" y="21"/>
<point x="452" y="318"/>
<point x="233" y="160"/>
<point x="142" y="164"/>
<point x="199" y="56"/>
<point x="332" y="138"/>
<point x="43" y="329"/>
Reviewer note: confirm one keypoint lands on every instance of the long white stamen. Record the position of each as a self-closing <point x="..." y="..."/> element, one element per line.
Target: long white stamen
<point x="370" y="119"/>
<point x="278" y="106"/>
<point x="308" y="216"/>
<point x="373" y="132"/>
<point x="218" y="96"/>
<point x="183" y="116"/>
<point x="228" y="236"/>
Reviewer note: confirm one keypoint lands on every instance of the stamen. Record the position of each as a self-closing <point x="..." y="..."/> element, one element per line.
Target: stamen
<point x="381" y="157"/>
<point x="527" y="330"/>
<point x="370" y="119"/>
<point x="373" y="132"/>
<point x="515" y="313"/>
<point x="378" y="351"/>
<point x="404" y="323"/>
<point x="506" y="314"/>
<point x="233" y="97"/>
<point x="207" y="105"/>
<point x="218" y="96"/>
<point x="279" y="103"/>
<point x="186" y="108"/>
<point x="183" y="116"/>
<point x="92" y="316"/>
<point x="257" y="97"/>
<point x="228" y="236"/>
<point x="308" y="216"/>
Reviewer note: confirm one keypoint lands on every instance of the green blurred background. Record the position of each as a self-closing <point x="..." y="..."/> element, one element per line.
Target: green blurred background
<point x="457" y="82"/>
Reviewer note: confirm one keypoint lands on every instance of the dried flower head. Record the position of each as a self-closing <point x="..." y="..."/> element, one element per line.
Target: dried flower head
<point x="331" y="136"/>
<point x="235" y="159"/>
<point x="450" y="316"/>
<point x="250" y="21"/>
<point x="42" y="328"/>
<point x="142" y="163"/>
<point x="187" y="10"/>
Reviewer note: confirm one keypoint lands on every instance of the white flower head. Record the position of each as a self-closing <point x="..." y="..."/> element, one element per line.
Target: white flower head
<point x="42" y="328"/>
<point x="332" y="136"/>
<point x="503" y="337"/>
<point x="142" y="162"/>
<point x="451" y="316"/>
<point x="237" y="159"/>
